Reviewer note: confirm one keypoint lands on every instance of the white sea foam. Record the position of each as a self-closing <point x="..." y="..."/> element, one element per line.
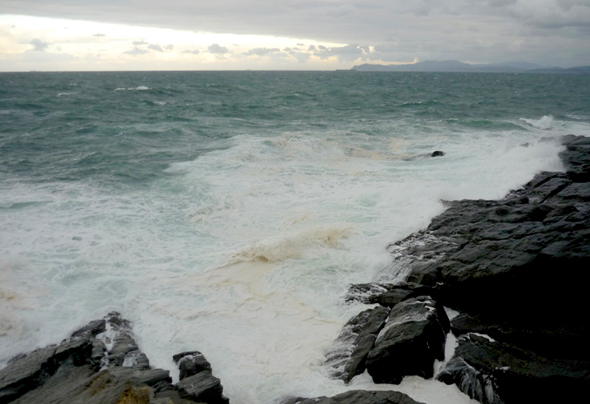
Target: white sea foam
<point x="246" y="252"/>
<point x="544" y="123"/>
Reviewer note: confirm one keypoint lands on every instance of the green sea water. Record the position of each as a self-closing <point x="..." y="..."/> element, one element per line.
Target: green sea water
<point x="228" y="212"/>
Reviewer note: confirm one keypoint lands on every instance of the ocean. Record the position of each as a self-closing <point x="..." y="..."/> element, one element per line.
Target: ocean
<point x="228" y="212"/>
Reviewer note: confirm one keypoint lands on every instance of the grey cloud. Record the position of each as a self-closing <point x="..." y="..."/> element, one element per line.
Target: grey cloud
<point x="99" y="35"/>
<point x="155" y="47"/>
<point x="501" y="3"/>
<point x="552" y="13"/>
<point x="341" y="11"/>
<point x="169" y="47"/>
<point x="425" y="29"/>
<point x="39" y="45"/>
<point x="139" y="43"/>
<point x="348" y="53"/>
<point x="194" y="52"/>
<point x="301" y="57"/>
<point x="136" y="51"/>
<point x="217" y="49"/>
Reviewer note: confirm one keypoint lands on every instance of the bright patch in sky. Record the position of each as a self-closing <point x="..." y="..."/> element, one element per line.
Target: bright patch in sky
<point x="35" y="43"/>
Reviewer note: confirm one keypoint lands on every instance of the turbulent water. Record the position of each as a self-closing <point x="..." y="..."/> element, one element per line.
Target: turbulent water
<point x="228" y="211"/>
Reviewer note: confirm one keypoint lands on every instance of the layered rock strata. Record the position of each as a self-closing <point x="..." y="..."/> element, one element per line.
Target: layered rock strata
<point x="102" y="364"/>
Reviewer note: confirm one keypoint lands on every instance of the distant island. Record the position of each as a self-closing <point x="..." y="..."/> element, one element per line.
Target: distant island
<point x="456" y="66"/>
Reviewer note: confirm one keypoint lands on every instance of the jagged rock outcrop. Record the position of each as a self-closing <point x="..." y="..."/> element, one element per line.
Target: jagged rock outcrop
<point x="191" y="363"/>
<point x="515" y="271"/>
<point x="412" y="338"/>
<point x="354" y="343"/>
<point x="386" y="294"/>
<point x="494" y="372"/>
<point x="102" y="364"/>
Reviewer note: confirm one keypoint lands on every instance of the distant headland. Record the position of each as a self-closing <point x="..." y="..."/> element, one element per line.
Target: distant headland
<point x="456" y="66"/>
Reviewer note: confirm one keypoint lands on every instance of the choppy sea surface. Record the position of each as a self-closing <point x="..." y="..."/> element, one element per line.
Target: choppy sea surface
<point x="227" y="212"/>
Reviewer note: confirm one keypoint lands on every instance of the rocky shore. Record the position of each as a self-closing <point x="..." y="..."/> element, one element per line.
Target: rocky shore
<point x="510" y="273"/>
<point x="101" y="364"/>
<point x="493" y="301"/>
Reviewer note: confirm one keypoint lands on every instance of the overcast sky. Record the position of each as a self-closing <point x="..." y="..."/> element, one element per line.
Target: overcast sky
<point x="295" y="35"/>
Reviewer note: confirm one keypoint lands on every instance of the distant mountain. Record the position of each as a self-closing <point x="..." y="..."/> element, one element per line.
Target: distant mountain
<point x="456" y="66"/>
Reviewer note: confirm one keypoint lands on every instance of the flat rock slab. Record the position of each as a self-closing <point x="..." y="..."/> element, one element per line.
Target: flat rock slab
<point x="358" y="397"/>
<point x="413" y="337"/>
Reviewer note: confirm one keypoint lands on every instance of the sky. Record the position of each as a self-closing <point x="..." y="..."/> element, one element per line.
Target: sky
<point x="81" y="35"/>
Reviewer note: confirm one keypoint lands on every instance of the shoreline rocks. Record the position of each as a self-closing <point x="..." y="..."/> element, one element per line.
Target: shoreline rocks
<point x="102" y="364"/>
<point x="514" y="270"/>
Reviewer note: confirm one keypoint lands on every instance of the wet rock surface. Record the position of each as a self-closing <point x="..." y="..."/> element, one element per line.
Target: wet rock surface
<point x="358" y="397"/>
<point x="356" y="340"/>
<point x="494" y="372"/>
<point x="102" y="364"/>
<point x="514" y="269"/>
<point x="413" y="337"/>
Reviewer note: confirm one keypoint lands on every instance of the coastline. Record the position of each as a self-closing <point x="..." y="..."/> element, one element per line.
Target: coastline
<point x="432" y="275"/>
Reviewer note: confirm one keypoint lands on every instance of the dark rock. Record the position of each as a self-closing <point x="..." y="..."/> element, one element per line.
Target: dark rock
<point x="437" y="153"/>
<point x="354" y="343"/>
<point x="81" y="385"/>
<point x="67" y="373"/>
<point x="169" y="397"/>
<point x="543" y="337"/>
<point x="477" y="385"/>
<point x="148" y="377"/>
<point x="576" y="157"/>
<point x="26" y="373"/>
<point x="91" y="330"/>
<point x="494" y="372"/>
<point x="202" y="387"/>
<point x="413" y="337"/>
<point x="123" y="344"/>
<point x="32" y="370"/>
<point x="385" y="294"/>
<point x="191" y="363"/>
<point x="358" y="397"/>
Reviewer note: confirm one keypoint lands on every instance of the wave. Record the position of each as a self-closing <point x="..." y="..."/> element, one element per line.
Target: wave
<point x="544" y="123"/>
<point x="139" y="88"/>
<point x="292" y="246"/>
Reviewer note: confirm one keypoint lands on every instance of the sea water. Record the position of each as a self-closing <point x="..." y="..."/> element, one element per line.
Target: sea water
<point x="228" y="212"/>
